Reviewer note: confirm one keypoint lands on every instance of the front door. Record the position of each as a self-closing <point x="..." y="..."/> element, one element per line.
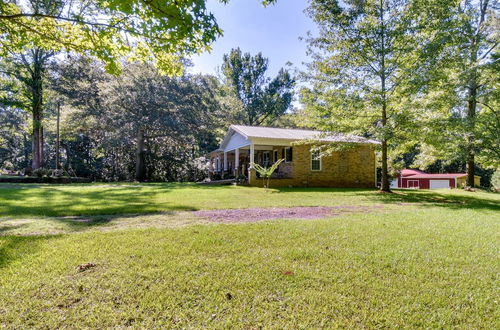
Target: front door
<point x="266" y="158"/>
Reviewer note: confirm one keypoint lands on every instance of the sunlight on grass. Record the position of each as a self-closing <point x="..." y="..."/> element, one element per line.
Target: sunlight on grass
<point x="419" y="259"/>
<point x="23" y="201"/>
<point x="393" y="269"/>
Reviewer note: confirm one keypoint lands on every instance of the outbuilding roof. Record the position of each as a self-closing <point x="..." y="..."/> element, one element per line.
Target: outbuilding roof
<point x="297" y="134"/>
<point x="436" y="176"/>
<point x="410" y="172"/>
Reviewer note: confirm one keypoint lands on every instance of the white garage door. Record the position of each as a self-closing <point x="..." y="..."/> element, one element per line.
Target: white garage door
<point x="436" y="184"/>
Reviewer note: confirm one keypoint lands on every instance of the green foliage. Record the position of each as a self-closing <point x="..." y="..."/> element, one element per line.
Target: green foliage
<point x="157" y="31"/>
<point x="177" y="117"/>
<point x="495" y="181"/>
<point x="153" y="31"/>
<point x="460" y="118"/>
<point x="361" y="78"/>
<point x="263" y="99"/>
<point x="15" y="145"/>
<point x="266" y="172"/>
<point x="41" y="172"/>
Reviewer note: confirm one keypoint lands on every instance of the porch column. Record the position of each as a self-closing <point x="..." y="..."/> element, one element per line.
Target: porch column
<point x="252" y="154"/>
<point x="252" y="176"/>
<point x="225" y="161"/>
<point x="236" y="161"/>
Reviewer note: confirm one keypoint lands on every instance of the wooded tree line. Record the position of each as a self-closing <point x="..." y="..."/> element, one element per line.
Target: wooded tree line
<point x="137" y="125"/>
<point x="421" y="76"/>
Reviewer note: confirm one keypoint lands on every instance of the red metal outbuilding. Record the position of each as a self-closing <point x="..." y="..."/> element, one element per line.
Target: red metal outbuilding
<point x="416" y="179"/>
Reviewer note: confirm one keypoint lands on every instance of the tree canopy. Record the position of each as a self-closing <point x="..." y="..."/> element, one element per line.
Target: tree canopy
<point x="361" y="75"/>
<point x="461" y="103"/>
<point x="156" y="31"/>
<point x="139" y="125"/>
<point x="263" y="99"/>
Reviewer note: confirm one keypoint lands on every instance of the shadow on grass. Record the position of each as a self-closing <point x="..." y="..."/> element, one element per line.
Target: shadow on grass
<point x="452" y="200"/>
<point x="320" y="189"/>
<point x="146" y="198"/>
<point x="80" y="223"/>
<point x="429" y="198"/>
<point x="108" y="200"/>
<point x="15" y="247"/>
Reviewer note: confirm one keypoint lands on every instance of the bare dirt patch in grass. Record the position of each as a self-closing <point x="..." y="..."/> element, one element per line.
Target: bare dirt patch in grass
<point x="257" y="214"/>
<point x="172" y="219"/>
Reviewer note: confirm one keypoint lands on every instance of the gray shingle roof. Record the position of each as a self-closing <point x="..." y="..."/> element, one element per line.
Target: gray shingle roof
<point x="298" y="134"/>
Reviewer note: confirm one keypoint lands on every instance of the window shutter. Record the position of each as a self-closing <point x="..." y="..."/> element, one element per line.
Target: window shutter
<point x="291" y="154"/>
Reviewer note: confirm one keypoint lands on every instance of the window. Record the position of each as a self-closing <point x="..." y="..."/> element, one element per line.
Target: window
<point x="315" y="160"/>
<point x="343" y="164"/>
<point x="413" y="184"/>
<point x="288" y="154"/>
<point x="364" y="154"/>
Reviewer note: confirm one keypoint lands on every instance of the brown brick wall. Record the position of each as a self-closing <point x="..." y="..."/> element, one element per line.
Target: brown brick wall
<point x="351" y="168"/>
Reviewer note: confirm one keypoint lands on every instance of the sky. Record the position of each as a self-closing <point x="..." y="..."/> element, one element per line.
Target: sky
<point x="274" y="31"/>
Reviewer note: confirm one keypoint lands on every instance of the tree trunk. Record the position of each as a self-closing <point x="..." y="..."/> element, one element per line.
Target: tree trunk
<point x="25" y="147"/>
<point x="471" y="126"/>
<point x="384" y="186"/>
<point x="37" y="108"/>
<point x="37" y="142"/>
<point x="140" y="163"/>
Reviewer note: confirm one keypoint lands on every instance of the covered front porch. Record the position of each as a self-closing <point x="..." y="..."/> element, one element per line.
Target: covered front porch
<point x="236" y="162"/>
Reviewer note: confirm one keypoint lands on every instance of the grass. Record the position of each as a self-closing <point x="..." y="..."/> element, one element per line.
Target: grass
<point x="428" y="259"/>
<point x="45" y="200"/>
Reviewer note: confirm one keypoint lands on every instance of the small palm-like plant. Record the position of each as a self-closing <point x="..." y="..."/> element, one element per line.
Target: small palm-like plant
<point x="266" y="172"/>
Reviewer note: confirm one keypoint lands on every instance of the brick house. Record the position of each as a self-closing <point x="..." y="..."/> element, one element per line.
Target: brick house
<point x="304" y="166"/>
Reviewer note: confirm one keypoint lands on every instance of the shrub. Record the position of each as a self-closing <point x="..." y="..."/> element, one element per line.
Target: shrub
<point x="57" y="173"/>
<point x="495" y="181"/>
<point x="41" y="172"/>
<point x="241" y="179"/>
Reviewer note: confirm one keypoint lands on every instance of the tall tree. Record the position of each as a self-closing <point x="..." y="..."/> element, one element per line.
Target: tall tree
<point x="28" y="65"/>
<point x="154" y="108"/>
<point x="27" y="72"/>
<point x="465" y="86"/>
<point x="480" y="38"/>
<point x="360" y="79"/>
<point x="137" y="125"/>
<point x="159" y="32"/>
<point x="30" y="69"/>
<point x="264" y="99"/>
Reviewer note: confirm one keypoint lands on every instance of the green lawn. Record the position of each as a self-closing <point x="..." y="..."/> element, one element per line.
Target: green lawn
<point x="426" y="259"/>
<point x="45" y="200"/>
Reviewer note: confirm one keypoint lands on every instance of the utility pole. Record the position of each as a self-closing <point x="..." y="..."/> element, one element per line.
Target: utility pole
<point x="58" y="166"/>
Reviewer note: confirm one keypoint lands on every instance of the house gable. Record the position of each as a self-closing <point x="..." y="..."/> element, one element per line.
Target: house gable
<point x="234" y="140"/>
